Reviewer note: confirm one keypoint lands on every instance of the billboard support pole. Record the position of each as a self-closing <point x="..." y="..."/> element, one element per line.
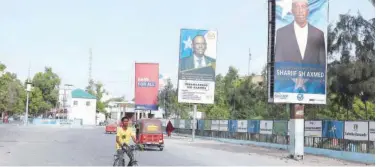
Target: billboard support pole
<point x="194" y="122"/>
<point x="296" y="146"/>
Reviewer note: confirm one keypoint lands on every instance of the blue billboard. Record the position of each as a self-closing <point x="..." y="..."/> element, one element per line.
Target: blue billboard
<point x="300" y="52"/>
<point x="253" y="126"/>
<point x="332" y="129"/>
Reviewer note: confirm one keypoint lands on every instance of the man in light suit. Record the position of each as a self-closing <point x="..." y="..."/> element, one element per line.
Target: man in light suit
<point x="299" y="41"/>
<point x="198" y="59"/>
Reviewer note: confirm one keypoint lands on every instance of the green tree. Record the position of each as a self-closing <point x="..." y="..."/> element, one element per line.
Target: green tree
<point x="12" y="93"/>
<point x="351" y="76"/>
<point x="96" y="89"/>
<point x="48" y="83"/>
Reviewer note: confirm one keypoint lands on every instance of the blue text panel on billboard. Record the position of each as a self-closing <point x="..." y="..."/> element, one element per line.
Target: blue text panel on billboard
<point x="300" y="52"/>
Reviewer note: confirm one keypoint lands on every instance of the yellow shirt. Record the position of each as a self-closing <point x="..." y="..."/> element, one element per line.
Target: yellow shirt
<point x="124" y="136"/>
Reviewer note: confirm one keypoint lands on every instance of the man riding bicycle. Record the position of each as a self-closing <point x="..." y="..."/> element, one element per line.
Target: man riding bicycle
<point x="123" y="137"/>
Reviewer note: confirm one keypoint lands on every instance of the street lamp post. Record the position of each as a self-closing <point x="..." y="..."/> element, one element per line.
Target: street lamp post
<point x="28" y="89"/>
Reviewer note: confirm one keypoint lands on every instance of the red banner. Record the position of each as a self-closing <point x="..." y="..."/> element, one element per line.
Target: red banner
<point x="146" y="86"/>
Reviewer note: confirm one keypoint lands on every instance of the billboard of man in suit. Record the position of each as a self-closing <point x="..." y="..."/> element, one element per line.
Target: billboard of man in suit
<point x="299" y="41"/>
<point x="198" y="59"/>
<point x="300" y="52"/>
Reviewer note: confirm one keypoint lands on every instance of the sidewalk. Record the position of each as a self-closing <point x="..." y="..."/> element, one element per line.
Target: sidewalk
<point x="263" y="151"/>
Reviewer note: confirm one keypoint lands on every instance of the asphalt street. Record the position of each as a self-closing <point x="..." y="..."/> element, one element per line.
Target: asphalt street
<point x="90" y="146"/>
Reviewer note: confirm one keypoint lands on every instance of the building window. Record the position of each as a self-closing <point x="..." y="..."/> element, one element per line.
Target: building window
<point x="75" y="103"/>
<point x="88" y="103"/>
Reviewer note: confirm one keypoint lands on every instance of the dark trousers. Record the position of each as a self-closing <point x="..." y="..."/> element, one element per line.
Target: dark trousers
<point x="120" y="153"/>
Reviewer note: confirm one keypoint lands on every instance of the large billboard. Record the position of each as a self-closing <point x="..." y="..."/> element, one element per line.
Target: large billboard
<point x="146" y="86"/>
<point x="299" y="52"/>
<point x="197" y="59"/>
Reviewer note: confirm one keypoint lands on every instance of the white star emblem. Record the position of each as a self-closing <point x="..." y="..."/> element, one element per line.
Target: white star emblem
<point x="333" y="129"/>
<point x="286" y="6"/>
<point x="188" y="43"/>
<point x="299" y="83"/>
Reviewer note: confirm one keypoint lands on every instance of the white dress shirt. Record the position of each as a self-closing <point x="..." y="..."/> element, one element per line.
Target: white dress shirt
<point x="197" y="59"/>
<point x="301" y="37"/>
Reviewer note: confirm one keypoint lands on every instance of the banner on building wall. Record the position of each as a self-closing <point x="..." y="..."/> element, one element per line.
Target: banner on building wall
<point x="299" y="61"/>
<point x="207" y="125"/>
<point x="201" y="124"/>
<point x="146" y="86"/>
<point x="332" y="129"/>
<point x="197" y="64"/>
<point x="241" y="126"/>
<point x="280" y="127"/>
<point x="313" y="128"/>
<point x="266" y="127"/>
<point x="182" y="124"/>
<point x="372" y="130"/>
<point x="223" y="125"/>
<point x="356" y="130"/>
<point x="232" y="125"/>
<point x="253" y="126"/>
<point x="176" y="123"/>
<point x="188" y="124"/>
<point x="215" y="125"/>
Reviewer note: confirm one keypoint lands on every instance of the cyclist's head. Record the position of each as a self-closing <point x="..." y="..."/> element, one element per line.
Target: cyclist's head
<point x="125" y="121"/>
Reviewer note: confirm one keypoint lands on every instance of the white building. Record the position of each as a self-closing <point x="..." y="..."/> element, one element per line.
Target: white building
<point x="82" y="106"/>
<point x="117" y="110"/>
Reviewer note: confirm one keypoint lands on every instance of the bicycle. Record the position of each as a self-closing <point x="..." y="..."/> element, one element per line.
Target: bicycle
<point x="132" y="149"/>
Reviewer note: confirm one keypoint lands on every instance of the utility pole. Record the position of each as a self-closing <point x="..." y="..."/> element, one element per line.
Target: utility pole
<point x="65" y="110"/>
<point x="28" y="89"/>
<point x="249" y="60"/>
<point x="90" y="64"/>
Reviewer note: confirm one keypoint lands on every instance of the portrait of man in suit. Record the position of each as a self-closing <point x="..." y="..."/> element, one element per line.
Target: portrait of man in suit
<point x="299" y="41"/>
<point x="198" y="59"/>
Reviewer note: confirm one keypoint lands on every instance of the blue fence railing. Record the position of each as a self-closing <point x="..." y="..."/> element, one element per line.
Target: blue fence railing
<point x="351" y="136"/>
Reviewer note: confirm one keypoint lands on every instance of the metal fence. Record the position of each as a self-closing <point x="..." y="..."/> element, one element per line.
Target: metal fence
<point x="331" y="134"/>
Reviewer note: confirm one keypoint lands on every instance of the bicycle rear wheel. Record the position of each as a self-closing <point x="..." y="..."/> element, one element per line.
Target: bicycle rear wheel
<point x="134" y="163"/>
<point x="119" y="162"/>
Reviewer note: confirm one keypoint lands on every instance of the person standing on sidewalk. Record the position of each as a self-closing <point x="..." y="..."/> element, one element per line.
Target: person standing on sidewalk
<point x="169" y="128"/>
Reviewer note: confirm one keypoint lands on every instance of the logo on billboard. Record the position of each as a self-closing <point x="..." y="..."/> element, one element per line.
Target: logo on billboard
<point x="211" y="35"/>
<point x="355" y="127"/>
<point x="280" y="96"/>
<point x="300" y="96"/>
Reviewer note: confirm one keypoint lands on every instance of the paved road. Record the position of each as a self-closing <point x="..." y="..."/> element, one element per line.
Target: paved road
<point x="36" y="145"/>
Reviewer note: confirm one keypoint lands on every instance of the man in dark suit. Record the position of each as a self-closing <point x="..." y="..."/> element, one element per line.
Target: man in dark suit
<point x="299" y="41"/>
<point x="198" y="59"/>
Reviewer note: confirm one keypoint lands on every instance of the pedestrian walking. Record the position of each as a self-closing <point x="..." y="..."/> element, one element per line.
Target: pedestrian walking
<point x="169" y="128"/>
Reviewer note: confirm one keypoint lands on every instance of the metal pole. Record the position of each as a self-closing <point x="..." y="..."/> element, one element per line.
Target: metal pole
<point x="365" y="103"/>
<point x="194" y="122"/>
<point x="249" y="60"/>
<point x="27" y="109"/>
